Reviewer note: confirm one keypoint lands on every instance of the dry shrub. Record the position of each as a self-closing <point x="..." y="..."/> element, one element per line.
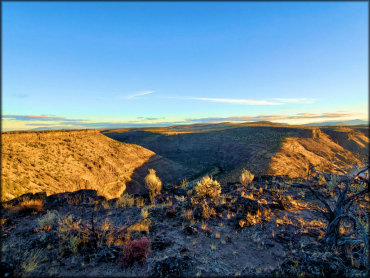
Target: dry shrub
<point x="140" y="202"/>
<point x="29" y="206"/>
<point x="153" y="183"/>
<point x="207" y="211"/>
<point x="134" y="251"/>
<point x="144" y="213"/>
<point x="188" y="214"/>
<point x="141" y="226"/>
<point x="208" y="187"/>
<point x="246" y="178"/>
<point x="71" y="234"/>
<point x="253" y="219"/>
<point x="126" y="200"/>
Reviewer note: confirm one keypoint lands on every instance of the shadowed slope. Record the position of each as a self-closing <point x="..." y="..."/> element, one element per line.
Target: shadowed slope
<point x="262" y="148"/>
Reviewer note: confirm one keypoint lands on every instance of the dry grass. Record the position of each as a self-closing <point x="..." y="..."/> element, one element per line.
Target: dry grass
<point x="153" y="183"/>
<point x="56" y="162"/>
<point x="36" y="205"/>
<point x="296" y="153"/>
<point x="246" y="178"/>
<point x="125" y="201"/>
<point x="254" y="219"/>
<point x="141" y="226"/>
<point x="208" y="187"/>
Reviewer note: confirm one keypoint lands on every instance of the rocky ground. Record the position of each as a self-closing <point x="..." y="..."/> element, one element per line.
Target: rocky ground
<point x="273" y="228"/>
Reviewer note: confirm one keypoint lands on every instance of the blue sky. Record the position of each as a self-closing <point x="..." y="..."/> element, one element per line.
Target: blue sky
<point x="95" y="64"/>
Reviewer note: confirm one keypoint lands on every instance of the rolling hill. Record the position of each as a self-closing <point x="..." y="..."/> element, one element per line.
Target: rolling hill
<point x="264" y="148"/>
<point x="60" y="161"/>
<point x="116" y="161"/>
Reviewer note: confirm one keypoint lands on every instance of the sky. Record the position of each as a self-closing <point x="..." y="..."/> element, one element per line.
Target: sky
<point x="127" y="64"/>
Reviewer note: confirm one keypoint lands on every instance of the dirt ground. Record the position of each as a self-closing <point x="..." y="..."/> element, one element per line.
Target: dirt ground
<point x="273" y="228"/>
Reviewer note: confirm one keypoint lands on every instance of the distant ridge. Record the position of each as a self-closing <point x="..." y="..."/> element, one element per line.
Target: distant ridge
<point x="340" y="123"/>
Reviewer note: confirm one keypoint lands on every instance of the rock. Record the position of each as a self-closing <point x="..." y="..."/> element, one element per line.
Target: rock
<point x="6" y="269"/>
<point x="172" y="266"/>
<point x="198" y="213"/>
<point x="248" y="204"/>
<point x="269" y="243"/>
<point x="190" y="230"/>
<point x="84" y="196"/>
<point x="318" y="265"/>
<point x="180" y="192"/>
<point x="160" y="244"/>
<point x="208" y="232"/>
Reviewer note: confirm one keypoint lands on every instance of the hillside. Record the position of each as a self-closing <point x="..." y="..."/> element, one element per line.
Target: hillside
<point x="60" y="161"/>
<point x="263" y="148"/>
<point x="69" y="160"/>
<point x="270" y="226"/>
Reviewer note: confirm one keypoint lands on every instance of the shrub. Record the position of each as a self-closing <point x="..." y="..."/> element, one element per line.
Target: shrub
<point x="126" y="200"/>
<point x="134" y="251"/>
<point x="48" y="220"/>
<point x="140" y="202"/>
<point x="208" y="187"/>
<point x="69" y="231"/>
<point x="207" y="212"/>
<point x="144" y="213"/>
<point x="140" y="226"/>
<point x="153" y="183"/>
<point x="340" y="214"/>
<point x="246" y="178"/>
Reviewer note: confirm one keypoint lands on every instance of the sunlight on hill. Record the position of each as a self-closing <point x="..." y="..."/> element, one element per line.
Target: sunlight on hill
<point x="56" y="162"/>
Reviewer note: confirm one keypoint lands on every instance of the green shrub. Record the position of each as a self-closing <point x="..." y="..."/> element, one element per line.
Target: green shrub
<point x="48" y="220"/>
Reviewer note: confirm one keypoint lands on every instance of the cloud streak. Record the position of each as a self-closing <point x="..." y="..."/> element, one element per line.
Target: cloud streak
<point x="235" y="101"/>
<point x="20" y="95"/>
<point x="275" y="101"/>
<point x="138" y="94"/>
<point x="298" y="116"/>
<point x="37" y="118"/>
<point x="295" y="100"/>
<point x="52" y="122"/>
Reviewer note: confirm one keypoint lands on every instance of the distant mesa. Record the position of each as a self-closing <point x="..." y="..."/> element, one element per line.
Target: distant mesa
<point x="339" y="123"/>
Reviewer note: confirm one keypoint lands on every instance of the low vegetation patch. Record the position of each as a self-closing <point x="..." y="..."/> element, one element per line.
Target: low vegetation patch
<point x="134" y="251"/>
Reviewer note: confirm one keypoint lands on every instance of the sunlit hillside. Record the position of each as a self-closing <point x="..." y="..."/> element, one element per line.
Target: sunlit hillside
<point x="60" y="161"/>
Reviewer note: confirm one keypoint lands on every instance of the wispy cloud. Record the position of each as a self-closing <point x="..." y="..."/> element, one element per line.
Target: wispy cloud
<point x="338" y="114"/>
<point x="150" y="118"/>
<point x="281" y="118"/>
<point x="20" y="95"/>
<point x="275" y="101"/>
<point x="138" y="94"/>
<point x="234" y="100"/>
<point x="37" y="118"/>
<point x="17" y="122"/>
<point x="295" y="100"/>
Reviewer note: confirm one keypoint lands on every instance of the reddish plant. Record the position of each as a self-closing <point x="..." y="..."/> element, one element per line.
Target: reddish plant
<point x="134" y="251"/>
